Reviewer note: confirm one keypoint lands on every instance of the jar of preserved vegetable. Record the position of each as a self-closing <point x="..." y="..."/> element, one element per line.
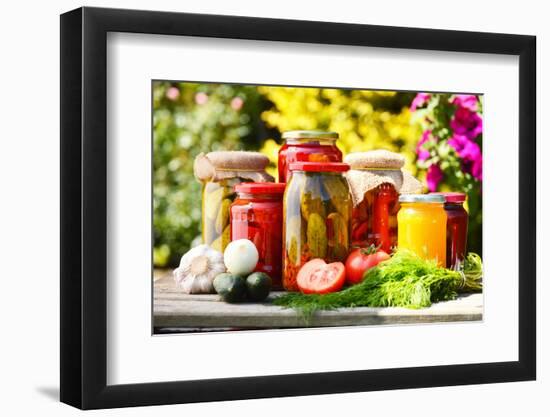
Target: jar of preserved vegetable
<point x="376" y="179"/>
<point x="219" y="172"/>
<point x="307" y="146"/>
<point x="457" y="229"/>
<point x="316" y="216"/>
<point x="257" y="215"/>
<point x="422" y="224"/>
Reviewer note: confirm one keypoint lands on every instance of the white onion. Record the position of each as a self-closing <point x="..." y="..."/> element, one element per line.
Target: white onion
<point x="240" y="257"/>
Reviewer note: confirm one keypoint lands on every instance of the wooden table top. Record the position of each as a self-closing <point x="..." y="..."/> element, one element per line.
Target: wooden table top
<point x="173" y="309"/>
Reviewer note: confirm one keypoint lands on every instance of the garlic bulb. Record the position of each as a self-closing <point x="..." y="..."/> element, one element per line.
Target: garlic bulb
<point x="197" y="270"/>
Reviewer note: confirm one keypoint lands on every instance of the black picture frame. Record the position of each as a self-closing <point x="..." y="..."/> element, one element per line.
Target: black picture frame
<point x="84" y="207"/>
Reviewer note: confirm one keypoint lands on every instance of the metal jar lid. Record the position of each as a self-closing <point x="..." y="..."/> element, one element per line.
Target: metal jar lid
<point x="421" y="198"/>
<point x="308" y="134"/>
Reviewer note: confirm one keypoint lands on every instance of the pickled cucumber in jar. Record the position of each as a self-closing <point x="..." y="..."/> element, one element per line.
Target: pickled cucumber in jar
<point x="219" y="172"/>
<point x="317" y="214"/>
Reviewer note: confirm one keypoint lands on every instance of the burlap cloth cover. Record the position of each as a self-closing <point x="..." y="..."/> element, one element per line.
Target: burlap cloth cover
<point x="220" y="165"/>
<point x="373" y="168"/>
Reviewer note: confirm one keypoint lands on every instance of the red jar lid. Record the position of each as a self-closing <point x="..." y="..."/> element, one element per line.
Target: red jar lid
<point x="319" y="166"/>
<point x="453" y="197"/>
<point x="260" y="187"/>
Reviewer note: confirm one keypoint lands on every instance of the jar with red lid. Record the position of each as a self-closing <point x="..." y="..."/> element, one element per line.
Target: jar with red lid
<point x="457" y="228"/>
<point x="316" y="216"/>
<point x="257" y="215"/>
<point x="307" y="146"/>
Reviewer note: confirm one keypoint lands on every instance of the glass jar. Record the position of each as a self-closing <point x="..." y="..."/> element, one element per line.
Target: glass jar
<point x="316" y="217"/>
<point x="422" y="226"/>
<point x="374" y="220"/>
<point x="217" y="197"/>
<point x="457" y="229"/>
<point x="257" y="215"/>
<point x="307" y="146"/>
<point x="219" y="172"/>
<point x="376" y="178"/>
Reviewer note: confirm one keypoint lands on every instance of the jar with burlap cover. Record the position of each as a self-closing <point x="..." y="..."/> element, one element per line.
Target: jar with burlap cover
<point x="376" y="179"/>
<point x="219" y="172"/>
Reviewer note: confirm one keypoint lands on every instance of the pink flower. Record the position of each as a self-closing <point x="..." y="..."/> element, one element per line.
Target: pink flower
<point x="237" y="103"/>
<point x="201" y="98"/>
<point x="477" y="169"/>
<point x="467" y="101"/>
<point x="172" y="93"/>
<point x="434" y="177"/>
<point x="419" y="101"/>
<point x="470" y="153"/>
<point x="466" y="123"/>
<point x="422" y="153"/>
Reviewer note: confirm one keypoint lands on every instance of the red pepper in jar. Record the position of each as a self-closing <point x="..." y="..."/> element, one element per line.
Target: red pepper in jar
<point x="257" y="215"/>
<point x="307" y="146"/>
<point x="376" y="179"/>
<point x="375" y="219"/>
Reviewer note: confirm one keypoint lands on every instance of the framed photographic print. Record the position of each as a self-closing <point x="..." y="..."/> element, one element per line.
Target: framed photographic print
<point x="257" y="208"/>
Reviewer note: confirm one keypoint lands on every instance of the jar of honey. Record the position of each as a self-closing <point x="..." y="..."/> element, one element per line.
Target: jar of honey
<point x="257" y="215"/>
<point x="422" y="226"/>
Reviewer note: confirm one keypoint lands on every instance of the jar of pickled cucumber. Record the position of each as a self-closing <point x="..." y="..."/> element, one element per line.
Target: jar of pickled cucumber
<point x="316" y="217"/>
<point x="219" y="172"/>
<point x="376" y="180"/>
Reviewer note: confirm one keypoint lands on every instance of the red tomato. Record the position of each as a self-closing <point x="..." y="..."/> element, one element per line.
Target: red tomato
<point x="361" y="260"/>
<point x="318" y="277"/>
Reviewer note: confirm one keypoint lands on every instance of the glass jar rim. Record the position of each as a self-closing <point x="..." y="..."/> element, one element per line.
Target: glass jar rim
<point x="308" y="135"/>
<point x="421" y="198"/>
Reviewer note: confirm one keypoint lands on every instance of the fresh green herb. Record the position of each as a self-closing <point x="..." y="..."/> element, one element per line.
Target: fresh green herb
<point x="473" y="273"/>
<point x="405" y="280"/>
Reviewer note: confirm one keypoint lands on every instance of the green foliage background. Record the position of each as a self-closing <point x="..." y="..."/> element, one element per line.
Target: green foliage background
<point x="184" y="127"/>
<point x="190" y="118"/>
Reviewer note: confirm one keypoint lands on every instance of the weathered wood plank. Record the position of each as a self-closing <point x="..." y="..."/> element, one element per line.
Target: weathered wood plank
<point x="172" y="308"/>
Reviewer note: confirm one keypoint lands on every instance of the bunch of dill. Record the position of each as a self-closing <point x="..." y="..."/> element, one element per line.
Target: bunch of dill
<point x="405" y="280"/>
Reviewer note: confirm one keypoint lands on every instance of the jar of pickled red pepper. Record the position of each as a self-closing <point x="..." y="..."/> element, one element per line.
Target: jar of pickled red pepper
<point x="316" y="217"/>
<point x="307" y="146"/>
<point x="376" y="179"/>
<point x="457" y="229"/>
<point x="422" y="226"/>
<point x="219" y="172"/>
<point x="257" y="215"/>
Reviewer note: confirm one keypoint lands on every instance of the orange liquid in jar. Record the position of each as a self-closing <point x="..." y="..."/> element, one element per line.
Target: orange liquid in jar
<point x="422" y="229"/>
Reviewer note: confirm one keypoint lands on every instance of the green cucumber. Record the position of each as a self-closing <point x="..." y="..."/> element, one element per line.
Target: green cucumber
<point x="231" y="288"/>
<point x="258" y="285"/>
